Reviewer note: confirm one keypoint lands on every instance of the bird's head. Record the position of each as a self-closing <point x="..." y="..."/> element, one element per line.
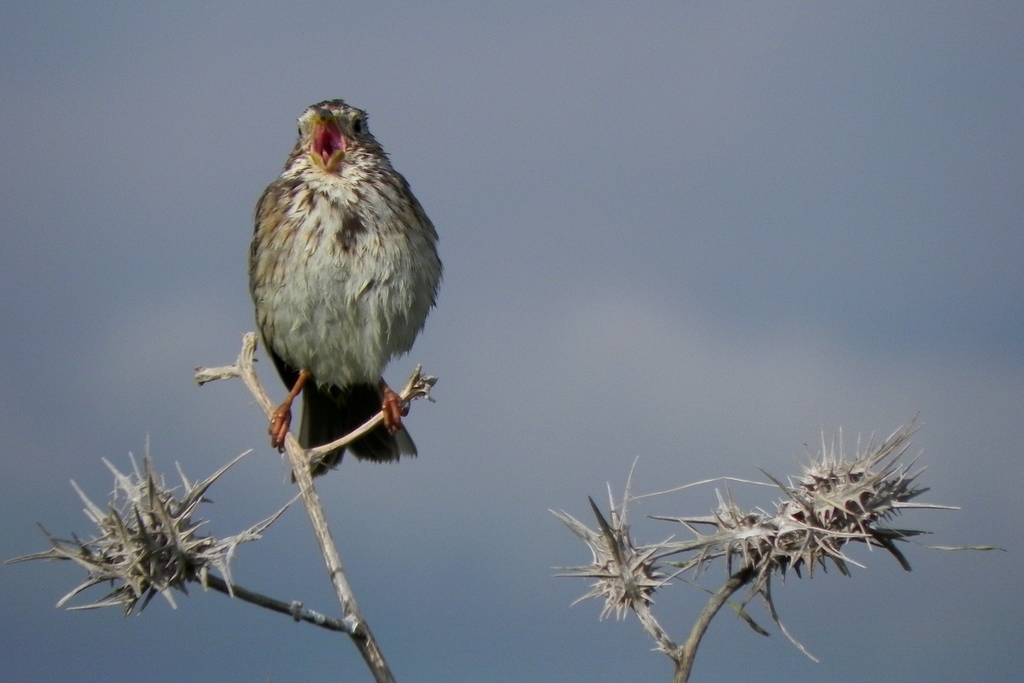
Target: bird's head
<point x="330" y="132"/>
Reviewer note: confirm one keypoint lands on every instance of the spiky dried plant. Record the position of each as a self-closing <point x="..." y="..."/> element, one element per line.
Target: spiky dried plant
<point x="626" y="575"/>
<point x="835" y="501"/>
<point x="147" y="540"/>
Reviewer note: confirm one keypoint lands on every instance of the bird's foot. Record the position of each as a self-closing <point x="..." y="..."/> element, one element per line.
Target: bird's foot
<point x="393" y="408"/>
<point x="280" y="422"/>
<point x="281" y="419"/>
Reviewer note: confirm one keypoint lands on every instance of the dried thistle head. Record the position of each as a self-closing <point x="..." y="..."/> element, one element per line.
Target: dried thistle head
<point x="147" y="540"/>
<point x="836" y="500"/>
<point x="626" y="574"/>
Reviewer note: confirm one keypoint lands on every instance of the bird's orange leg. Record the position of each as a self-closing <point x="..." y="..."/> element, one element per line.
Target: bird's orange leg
<point x="281" y="419"/>
<point x="393" y="408"/>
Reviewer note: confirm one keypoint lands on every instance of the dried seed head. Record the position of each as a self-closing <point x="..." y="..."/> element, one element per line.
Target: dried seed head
<point x="834" y="501"/>
<point x="147" y="540"/>
<point x="626" y="574"/>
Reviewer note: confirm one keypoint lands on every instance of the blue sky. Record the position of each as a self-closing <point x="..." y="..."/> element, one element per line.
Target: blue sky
<point x="697" y="233"/>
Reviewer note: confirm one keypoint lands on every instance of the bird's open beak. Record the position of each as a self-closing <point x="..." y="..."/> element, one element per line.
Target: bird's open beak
<point x="329" y="145"/>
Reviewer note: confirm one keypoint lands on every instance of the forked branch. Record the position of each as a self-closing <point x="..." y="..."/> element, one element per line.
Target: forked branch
<point x="418" y="386"/>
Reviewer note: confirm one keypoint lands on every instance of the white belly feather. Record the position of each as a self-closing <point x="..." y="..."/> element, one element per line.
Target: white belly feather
<point x="352" y="308"/>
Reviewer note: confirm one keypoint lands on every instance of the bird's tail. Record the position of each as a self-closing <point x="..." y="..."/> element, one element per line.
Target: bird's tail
<point x="329" y="413"/>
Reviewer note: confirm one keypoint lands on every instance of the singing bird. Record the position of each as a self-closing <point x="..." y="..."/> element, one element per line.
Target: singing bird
<point x="343" y="270"/>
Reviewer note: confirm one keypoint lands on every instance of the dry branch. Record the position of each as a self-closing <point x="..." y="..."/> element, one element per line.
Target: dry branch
<point x="418" y="386"/>
<point x="834" y="502"/>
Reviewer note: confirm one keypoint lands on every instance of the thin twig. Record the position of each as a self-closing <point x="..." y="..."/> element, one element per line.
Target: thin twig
<point x="360" y="634"/>
<point x="418" y="386"/>
<point x="292" y="609"/>
<point x="685" y="655"/>
<point x="655" y="629"/>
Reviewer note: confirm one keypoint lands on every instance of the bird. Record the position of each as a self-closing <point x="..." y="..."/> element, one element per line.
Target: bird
<point x="343" y="270"/>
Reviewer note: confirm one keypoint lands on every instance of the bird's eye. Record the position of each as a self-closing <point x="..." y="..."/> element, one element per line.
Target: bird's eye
<point x="357" y="125"/>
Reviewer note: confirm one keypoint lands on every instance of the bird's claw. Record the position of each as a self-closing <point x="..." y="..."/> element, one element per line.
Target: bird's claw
<point x="281" y="419"/>
<point x="280" y="422"/>
<point x="394" y="409"/>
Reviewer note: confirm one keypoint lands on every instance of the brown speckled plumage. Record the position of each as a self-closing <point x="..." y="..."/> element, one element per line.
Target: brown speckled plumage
<point x="343" y="270"/>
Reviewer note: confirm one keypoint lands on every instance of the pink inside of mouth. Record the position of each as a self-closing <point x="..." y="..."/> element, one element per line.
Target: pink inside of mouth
<point x="327" y="139"/>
